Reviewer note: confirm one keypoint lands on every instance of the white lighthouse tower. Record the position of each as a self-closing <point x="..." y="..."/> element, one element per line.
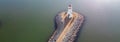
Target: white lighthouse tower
<point x="69" y="12"/>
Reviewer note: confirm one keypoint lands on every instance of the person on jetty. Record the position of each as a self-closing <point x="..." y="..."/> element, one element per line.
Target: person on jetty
<point x="69" y="12"/>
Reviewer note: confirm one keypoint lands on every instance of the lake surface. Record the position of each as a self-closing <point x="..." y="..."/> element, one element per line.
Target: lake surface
<point x="32" y="20"/>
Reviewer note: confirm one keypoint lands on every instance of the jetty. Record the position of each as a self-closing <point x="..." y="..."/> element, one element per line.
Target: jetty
<point x="67" y="26"/>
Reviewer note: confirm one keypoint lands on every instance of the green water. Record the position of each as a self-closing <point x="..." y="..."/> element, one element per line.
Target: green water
<point x="32" y="20"/>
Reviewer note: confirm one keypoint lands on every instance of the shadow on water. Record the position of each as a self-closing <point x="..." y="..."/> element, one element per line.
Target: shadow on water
<point x="0" y="24"/>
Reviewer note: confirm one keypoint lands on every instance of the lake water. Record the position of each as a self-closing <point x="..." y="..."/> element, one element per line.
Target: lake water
<point x="32" y="20"/>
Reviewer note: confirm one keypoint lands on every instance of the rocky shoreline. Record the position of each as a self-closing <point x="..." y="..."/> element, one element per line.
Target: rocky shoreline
<point x="72" y="34"/>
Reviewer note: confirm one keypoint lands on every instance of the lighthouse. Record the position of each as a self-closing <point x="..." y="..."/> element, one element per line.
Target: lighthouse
<point x="69" y="12"/>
